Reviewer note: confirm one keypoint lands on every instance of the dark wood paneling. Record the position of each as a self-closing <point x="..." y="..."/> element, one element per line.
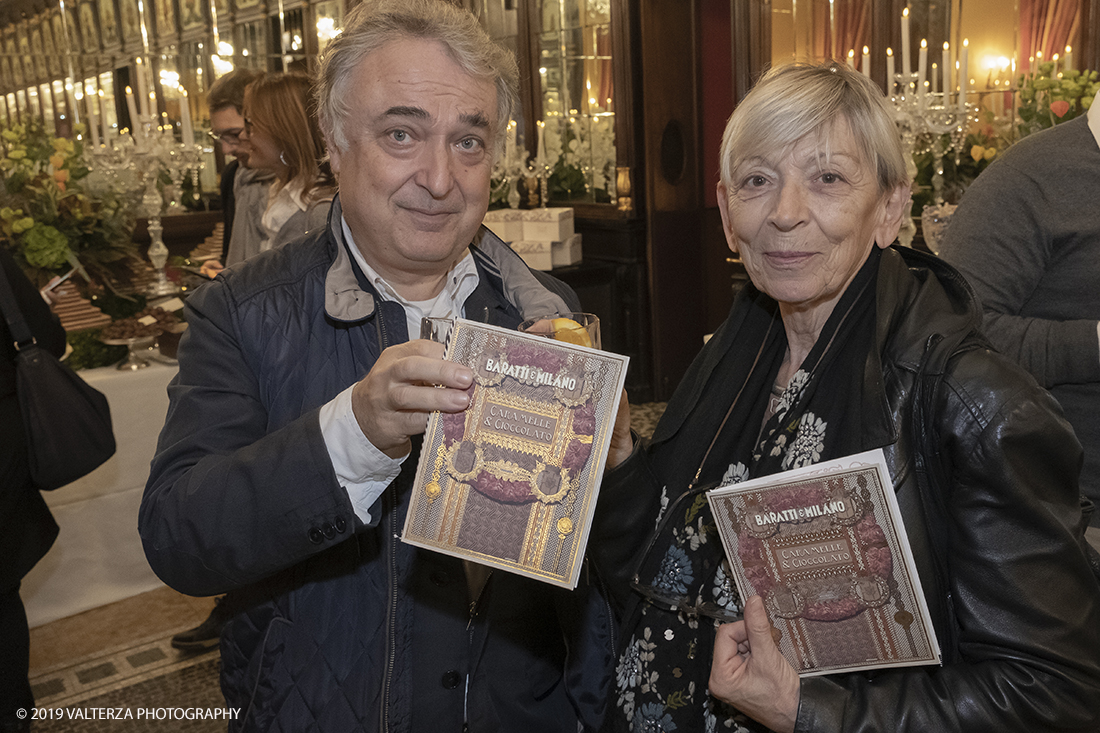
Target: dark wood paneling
<point x="670" y="75"/>
<point x="717" y="89"/>
<point x="624" y="47"/>
<point x="676" y="266"/>
<point x="720" y="274"/>
<point x="611" y="283"/>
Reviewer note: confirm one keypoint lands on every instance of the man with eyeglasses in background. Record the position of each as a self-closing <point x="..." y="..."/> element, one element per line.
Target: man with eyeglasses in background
<point x="239" y="183"/>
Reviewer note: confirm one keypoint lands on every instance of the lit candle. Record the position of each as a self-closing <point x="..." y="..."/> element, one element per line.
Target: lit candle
<point x="946" y="67"/>
<point x="889" y="71"/>
<point x="510" y="142"/>
<point x="867" y="62"/>
<point x="964" y="72"/>
<point x="1038" y="59"/>
<point x="150" y="83"/>
<point x="541" y="155"/>
<point x="93" y="122"/>
<point x="1031" y="65"/>
<point x="134" y="121"/>
<point x="106" y="129"/>
<point x="142" y="94"/>
<point x="1067" y="60"/>
<point x="906" y="69"/>
<point x="852" y="59"/>
<point x="1054" y="71"/>
<point x="922" y="67"/>
<point x="185" y="118"/>
<point x="74" y="114"/>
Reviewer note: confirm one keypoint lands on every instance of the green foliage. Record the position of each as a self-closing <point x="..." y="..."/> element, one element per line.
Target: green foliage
<point x="1044" y="100"/>
<point x="567" y="182"/>
<point x="55" y="215"/>
<point x="1047" y="100"/>
<point x="45" y="247"/>
<point x="89" y="352"/>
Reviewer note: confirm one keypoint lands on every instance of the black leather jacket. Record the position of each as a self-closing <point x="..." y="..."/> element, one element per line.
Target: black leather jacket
<point x="999" y="548"/>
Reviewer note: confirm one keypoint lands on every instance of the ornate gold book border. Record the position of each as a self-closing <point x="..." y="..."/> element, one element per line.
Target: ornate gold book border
<point x="512" y="481"/>
<point x="825" y="547"/>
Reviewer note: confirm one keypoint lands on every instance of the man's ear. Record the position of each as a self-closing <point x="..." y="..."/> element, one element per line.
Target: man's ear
<point x="895" y="207"/>
<point x="333" y="155"/>
<point x="723" y="209"/>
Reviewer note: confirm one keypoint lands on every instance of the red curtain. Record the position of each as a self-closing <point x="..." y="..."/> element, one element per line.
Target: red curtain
<point x="1047" y="26"/>
<point x="849" y="25"/>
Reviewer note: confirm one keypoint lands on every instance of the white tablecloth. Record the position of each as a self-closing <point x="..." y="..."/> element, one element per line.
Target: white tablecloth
<point x="97" y="558"/>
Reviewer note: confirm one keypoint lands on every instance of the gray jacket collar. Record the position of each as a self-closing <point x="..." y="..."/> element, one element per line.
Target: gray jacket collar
<point x="507" y="272"/>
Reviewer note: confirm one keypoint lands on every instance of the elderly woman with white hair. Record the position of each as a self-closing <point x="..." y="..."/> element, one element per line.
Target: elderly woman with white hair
<point x="843" y="343"/>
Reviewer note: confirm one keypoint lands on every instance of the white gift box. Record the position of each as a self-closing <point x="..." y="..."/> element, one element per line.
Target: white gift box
<point x="505" y="223"/>
<point x="567" y="252"/>
<point x="537" y="254"/>
<point x="548" y="225"/>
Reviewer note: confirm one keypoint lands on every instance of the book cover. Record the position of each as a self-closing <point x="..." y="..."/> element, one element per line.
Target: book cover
<point x="826" y="549"/>
<point x="512" y="482"/>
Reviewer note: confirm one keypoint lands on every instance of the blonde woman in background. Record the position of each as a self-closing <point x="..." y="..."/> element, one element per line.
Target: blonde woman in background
<point x="281" y="137"/>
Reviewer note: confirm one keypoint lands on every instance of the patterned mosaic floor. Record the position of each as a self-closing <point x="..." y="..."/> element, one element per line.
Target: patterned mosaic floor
<point x="644" y="417"/>
<point x="141" y="686"/>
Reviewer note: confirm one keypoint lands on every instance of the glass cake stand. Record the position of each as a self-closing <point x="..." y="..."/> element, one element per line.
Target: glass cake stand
<point x="134" y="359"/>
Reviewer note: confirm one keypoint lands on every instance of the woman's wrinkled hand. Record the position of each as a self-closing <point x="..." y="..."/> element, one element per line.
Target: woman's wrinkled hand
<point x="751" y="674"/>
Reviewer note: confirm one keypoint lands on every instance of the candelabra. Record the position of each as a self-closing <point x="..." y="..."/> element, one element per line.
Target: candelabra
<point x="511" y="167"/>
<point x="543" y="173"/>
<point x="924" y="119"/>
<point x="151" y="150"/>
<point x="508" y="170"/>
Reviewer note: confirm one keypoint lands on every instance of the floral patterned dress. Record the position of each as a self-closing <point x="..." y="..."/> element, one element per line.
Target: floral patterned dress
<point x="653" y="688"/>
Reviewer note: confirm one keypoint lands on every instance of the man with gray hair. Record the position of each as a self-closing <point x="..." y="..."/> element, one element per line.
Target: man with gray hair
<point x="284" y="468"/>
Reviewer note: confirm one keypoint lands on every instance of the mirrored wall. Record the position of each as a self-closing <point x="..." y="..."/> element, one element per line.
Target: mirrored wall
<point x="567" y="122"/>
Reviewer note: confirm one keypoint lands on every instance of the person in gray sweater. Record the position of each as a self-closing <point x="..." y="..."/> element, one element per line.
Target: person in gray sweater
<point x="1027" y="237"/>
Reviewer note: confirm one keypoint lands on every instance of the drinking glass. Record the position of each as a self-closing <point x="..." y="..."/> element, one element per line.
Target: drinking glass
<point x="436" y="329"/>
<point x="582" y="329"/>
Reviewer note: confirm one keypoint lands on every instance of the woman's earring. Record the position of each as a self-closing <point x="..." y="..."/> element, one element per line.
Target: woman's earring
<point x="282" y="158"/>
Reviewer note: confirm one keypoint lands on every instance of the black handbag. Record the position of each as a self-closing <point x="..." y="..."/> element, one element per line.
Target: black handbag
<point x="67" y="422"/>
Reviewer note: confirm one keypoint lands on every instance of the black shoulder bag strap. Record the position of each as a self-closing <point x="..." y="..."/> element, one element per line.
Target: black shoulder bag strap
<point x="13" y="314"/>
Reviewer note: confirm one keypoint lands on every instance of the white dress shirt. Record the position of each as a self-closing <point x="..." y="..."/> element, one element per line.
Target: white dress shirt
<point x="362" y="469"/>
